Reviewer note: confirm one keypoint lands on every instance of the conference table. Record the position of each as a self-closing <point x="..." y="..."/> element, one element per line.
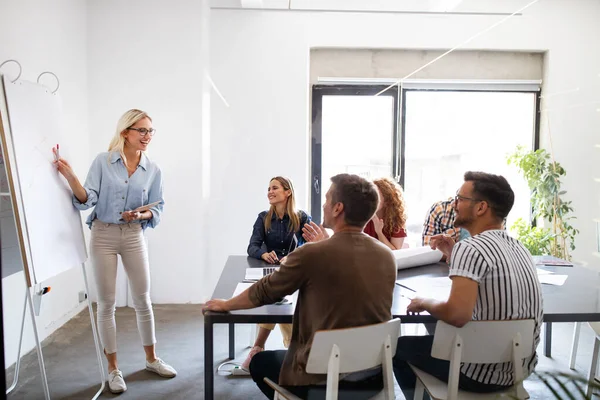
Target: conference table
<point x="577" y="300"/>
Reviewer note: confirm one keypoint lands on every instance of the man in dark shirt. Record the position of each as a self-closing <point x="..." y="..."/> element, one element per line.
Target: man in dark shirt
<point x="345" y="281"/>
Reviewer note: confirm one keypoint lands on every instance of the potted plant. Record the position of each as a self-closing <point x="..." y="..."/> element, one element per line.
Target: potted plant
<point x="543" y="175"/>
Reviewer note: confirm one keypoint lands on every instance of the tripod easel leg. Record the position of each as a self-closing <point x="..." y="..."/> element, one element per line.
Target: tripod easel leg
<point x="18" y="363"/>
<point x="38" y="346"/>
<point x="29" y="300"/>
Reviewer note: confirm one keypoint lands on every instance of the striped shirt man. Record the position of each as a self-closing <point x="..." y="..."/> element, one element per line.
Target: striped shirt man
<point x="508" y="289"/>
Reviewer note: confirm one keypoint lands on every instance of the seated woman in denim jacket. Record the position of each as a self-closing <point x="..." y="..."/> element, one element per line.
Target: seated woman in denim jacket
<point x="276" y="232"/>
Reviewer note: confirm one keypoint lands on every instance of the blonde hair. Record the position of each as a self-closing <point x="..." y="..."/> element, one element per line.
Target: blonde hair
<point x="127" y="120"/>
<point x="290" y="207"/>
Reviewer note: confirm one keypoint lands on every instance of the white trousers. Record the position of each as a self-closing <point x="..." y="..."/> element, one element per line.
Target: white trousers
<point x="126" y="240"/>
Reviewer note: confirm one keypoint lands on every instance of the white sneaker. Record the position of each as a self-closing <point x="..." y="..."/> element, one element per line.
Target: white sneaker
<point x="161" y="368"/>
<point x="116" y="383"/>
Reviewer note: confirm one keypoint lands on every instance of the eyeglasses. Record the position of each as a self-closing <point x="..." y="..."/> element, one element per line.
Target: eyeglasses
<point x="143" y="131"/>
<point x="459" y="197"/>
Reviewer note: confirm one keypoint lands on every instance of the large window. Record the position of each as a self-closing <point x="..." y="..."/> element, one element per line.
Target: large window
<point x="426" y="141"/>
<point x="447" y="133"/>
<point x="354" y="132"/>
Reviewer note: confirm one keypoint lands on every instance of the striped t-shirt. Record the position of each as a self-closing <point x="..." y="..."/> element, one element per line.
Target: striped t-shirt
<point x="508" y="289"/>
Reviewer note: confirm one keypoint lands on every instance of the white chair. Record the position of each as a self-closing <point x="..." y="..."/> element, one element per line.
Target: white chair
<point x="594" y="366"/>
<point x="478" y="342"/>
<point x="350" y="350"/>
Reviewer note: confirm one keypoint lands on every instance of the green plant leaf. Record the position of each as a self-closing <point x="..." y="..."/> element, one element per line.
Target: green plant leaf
<point x="543" y="178"/>
<point x="549" y="386"/>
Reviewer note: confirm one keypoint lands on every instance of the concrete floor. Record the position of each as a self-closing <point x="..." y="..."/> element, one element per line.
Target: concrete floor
<point x="73" y="371"/>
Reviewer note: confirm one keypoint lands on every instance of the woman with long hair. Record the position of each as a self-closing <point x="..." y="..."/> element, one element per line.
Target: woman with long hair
<point x="388" y="225"/>
<point x="118" y="182"/>
<point x="276" y="232"/>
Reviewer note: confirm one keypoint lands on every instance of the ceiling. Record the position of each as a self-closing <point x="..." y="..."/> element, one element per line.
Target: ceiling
<point x="391" y="6"/>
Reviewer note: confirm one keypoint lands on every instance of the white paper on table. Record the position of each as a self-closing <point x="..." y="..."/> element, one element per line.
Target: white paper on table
<point x="553" y="279"/>
<point x="416" y="257"/>
<point x="291" y="299"/>
<point x="433" y="288"/>
<point x="543" y="272"/>
<point x="241" y="287"/>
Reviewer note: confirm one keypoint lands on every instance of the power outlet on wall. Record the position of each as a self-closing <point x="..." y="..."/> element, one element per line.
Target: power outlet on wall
<point x="82" y="296"/>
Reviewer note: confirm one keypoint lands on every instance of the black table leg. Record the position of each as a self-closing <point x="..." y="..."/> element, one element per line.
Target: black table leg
<point x="548" y="340"/>
<point x="208" y="359"/>
<point x="231" y="341"/>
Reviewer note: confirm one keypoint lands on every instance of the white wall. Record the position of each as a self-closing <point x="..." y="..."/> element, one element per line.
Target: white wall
<point x="149" y="55"/>
<point x="48" y="36"/>
<point x="259" y="61"/>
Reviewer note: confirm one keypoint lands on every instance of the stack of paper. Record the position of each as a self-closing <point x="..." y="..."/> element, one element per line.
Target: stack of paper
<point x="552" y="261"/>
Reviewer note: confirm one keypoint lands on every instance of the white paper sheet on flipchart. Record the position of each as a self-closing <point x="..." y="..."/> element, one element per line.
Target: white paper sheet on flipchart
<point x="436" y="288"/>
<point x="35" y="124"/>
<point x="553" y="279"/>
<point x="416" y="257"/>
<point x="291" y="299"/>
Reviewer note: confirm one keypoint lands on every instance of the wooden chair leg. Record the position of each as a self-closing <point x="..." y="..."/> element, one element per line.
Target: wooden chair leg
<point x="280" y="393"/>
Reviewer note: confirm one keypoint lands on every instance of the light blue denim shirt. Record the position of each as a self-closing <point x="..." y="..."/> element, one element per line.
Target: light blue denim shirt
<point x="112" y="191"/>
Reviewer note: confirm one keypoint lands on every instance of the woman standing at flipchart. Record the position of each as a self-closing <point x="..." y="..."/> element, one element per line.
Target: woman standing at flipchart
<point x="118" y="182"/>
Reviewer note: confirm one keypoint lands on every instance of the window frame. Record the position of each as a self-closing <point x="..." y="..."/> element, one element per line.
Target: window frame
<point x="402" y="131"/>
<point x="399" y="93"/>
<point x="318" y="91"/>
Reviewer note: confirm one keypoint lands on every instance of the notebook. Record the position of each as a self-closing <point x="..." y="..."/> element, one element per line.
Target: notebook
<point x="551" y="261"/>
<point x="147" y="206"/>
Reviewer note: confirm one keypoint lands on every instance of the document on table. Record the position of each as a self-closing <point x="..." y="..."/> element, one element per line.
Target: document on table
<point x="553" y="279"/>
<point x="291" y="299"/>
<point x="543" y="272"/>
<point x="550" y="278"/>
<point x="240" y="288"/>
<point x="435" y="288"/>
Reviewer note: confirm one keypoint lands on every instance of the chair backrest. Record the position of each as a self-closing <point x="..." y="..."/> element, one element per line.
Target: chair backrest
<point x="484" y="341"/>
<point x="360" y="348"/>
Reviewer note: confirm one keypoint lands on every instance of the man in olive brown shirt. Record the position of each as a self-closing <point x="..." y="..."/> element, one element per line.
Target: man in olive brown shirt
<point x="344" y="281"/>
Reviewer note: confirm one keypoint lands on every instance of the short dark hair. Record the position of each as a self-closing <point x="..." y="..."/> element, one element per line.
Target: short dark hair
<point x="494" y="189"/>
<point x="359" y="197"/>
